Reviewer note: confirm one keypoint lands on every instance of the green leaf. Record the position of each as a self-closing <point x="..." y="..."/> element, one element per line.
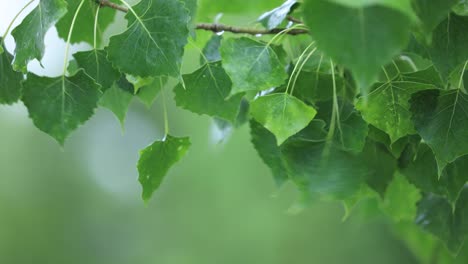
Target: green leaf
<point x="381" y="165"/>
<point x="265" y="144"/>
<point x="386" y="107"/>
<point x="432" y="12"/>
<point x="192" y="7"/>
<point x="272" y="19"/>
<point x="252" y="65"/>
<point x="282" y="114"/>
<point x="211" y="50"/>
<point x="448" y="49"/>
<point x="364" y="38"/>
<point x="118" y="98"/>
<point x="400" y="199"/>
<point x="350" y="134"/>
<point x="435" y="215"/>
<point x="205" y="92"/>
<point x="10" y="81"/>
<point x="322" y="170"/>
<point x="85" y="21"/>
<point x="403" y="6"/>
<point x="149" y="91"/>
<point x="441" y="119"/>
<point x="156" y="160"/>
<point x="59" y="105"/>
<point x="153" y="44"/>
<point x="96" y="65"/>
<point x="315" y="86"/>
<point x="423" y="173"/>
<point x="29" y="35"/>
<point x="461" y="8"/>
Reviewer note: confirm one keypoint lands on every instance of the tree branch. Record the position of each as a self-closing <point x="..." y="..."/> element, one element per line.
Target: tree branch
<point x="221" y="27"/>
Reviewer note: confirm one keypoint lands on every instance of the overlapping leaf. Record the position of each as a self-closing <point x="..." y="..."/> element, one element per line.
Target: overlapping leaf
<point x="153" y="44"/>
<point x="282" y="114"/>
<point x="97" y="66"/>
<point x="252" y="65"/>
<point x="118" y="98"/>
<point x="205" y="92"/>
<point x="275" y="17"/>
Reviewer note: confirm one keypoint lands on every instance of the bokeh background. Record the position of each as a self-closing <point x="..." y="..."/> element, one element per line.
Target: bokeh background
<point x="81" y="203"/>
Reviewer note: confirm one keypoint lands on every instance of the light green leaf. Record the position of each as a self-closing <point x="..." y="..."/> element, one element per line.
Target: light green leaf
<point x="85" y="21"/>
<point x="153" y="44"/>
<point x="252" y="65"/>
<point x="386" y="107"/>
<point x="10" y="81"/>
<point x="156" y="160"/>
<point x="96" y="65"/>
<point x="441" y="119"/>
<point x="148" y="92"/>
<point x="205" y="92"/>
<point x="403" y="6"/>
<point x="275" y="17"/>
<point x="29" y="35"/>
<point x="363" y="39"/>
<point x="282" y="114"/>
<point x="59" y="105"/>
<point x="461" y="8"/>
<point x="400" y="199"/>
<point x="118" y="98"/>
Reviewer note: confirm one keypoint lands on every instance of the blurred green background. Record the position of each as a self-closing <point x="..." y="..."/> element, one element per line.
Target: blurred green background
<point x="81" y="204"/>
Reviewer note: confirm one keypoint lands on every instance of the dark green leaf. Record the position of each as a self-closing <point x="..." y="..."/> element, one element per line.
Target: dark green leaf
<point x="29" y="35"/>
<point x="265" y="144"/>
<point x="10" y="81"/>
<point x="153" y="44"/>
<point x="211" y="50"/>
<point x="386" y="107"/>
<point x="448" y="49"/>
<point x="364" y="38"/>
<point x="96" y="65"/>
<point x="205" y="92"/>
<point x="156" y="160"/>
<point x="59" y="105"/>
<point x="441" y="119"/>
<point x="85" y="21"/>
<point x="282" y="114"/>
<point x="252" y="65"/>
<point x="432" y="12"/>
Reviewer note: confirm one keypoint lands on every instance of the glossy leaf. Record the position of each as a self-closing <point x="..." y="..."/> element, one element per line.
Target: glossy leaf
<point x="252" y="65"/>
<point x="387" y="107"/>
<point x="29" y="35"/>
<point x="205" y="92"/>
<point x="153" y="44"/>
<point x="59" y="105"/>
<point x="156" y="160"/>
<point x="282" y="114"/>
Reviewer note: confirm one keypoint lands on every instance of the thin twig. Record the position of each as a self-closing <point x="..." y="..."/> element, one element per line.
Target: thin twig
<point x="221" y="27"/>
<point x="295" y="20"/>
<point x="107" y="3"/>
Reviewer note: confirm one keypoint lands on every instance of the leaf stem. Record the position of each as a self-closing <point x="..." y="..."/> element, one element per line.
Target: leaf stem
<point x="95" y="28"/>
<point x="298" y="72"/>
<point x="166" y="118"/>
<point x="70" y="32"/>
<point x="13" y="21"/>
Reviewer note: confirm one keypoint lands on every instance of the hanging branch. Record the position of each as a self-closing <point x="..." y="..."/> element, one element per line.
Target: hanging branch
<point x="215" y="27"/>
